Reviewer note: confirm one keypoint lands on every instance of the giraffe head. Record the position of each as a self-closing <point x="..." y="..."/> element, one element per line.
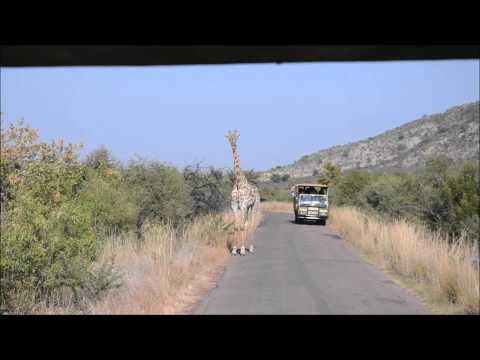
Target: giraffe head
<point x="232" y="137"/>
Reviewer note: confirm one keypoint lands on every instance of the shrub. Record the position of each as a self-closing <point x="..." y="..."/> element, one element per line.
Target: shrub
<point x="276" y="178"/>
<point x="270" y="192"/>
<point x="111" y="203"/>
<point x="101" y="160"/>
<point x="209" y="190"/>
<point x="46" y="239"/>
<point x="330" y="174"/>
<point x="463" y="200"/>
<point x="251" y="175"/>
<point x="107" y="193"/>
<point x="349" y="188"/>
<point x="444" y="199"/>
<point x="161" y="193"/>
<point x="48" y="243"/>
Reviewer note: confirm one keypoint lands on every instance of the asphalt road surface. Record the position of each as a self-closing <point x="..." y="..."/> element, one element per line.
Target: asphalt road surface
<point x="304" y="269"/>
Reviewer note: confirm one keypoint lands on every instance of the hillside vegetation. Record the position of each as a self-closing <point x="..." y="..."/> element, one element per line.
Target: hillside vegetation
<point x="454" y="133"/>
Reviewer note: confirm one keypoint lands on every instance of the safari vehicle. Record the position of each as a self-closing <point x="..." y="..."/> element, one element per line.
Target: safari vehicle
<point x="310" y="202"/>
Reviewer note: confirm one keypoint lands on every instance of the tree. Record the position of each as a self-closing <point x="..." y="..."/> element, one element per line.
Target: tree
<point x="208" y="189"/>
<point x="330" y="174"/>
<point x="106" y="192"/>
<point x="111" y="203"/>
<point x="251" y="175"/>
<point x="276" y="178"/>
<point x="349" y="189"/>
<point x="47" y="242"/>
<point x="161" y="193"/>
<point x="102" y="160"/>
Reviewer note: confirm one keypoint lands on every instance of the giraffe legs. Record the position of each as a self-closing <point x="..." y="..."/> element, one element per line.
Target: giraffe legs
<point x="242" y="250"/>
<point x="235" y="228"/>
<point x="251" y="217"/>
<point x="243" y="229"/>
<point x="242" y="217"/>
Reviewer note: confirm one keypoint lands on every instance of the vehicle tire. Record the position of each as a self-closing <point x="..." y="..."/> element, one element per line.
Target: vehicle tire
<point x="324" y="222"/>
<point x="296" y="220"/>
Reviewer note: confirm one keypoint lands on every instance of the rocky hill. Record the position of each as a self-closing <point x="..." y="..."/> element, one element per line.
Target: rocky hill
<point x="454" y="134"/>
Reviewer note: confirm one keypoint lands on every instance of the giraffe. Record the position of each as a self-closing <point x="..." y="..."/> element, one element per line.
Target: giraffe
<point x="245" y="196"/>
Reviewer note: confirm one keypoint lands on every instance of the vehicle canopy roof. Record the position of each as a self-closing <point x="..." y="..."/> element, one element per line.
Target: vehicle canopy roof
<point x="308" y="185"/>
<point x="302" y="188"/>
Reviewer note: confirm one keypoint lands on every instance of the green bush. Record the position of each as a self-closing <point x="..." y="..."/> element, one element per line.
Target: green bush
<point x="107" y="194"/>
<point x="273" y="193"/>
<point x="330" y="174"/>
<point x="112" y="204"/>
<point x="251" y="175"/>
<point x="101" y="160"/>
<point x="461" y="197"/>
<point x="392" y="194"/>
<point x="443" y="198"/>
<point x="47" y="239"/>
<point x="160" y="192"/>
<point x="210" y="190"/>
<point x="277" y="178"/>
<point x="349" y="188"/>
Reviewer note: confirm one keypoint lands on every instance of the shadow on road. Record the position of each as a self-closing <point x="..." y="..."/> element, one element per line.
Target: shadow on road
<point x="309" y="223"/>
<point x="333" y="236"/>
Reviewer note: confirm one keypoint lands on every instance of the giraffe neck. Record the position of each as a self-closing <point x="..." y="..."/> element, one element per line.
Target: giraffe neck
<point x="239" y="177"/>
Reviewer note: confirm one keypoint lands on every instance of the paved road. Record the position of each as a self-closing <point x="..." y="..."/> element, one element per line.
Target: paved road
<point x="304" y="269"/>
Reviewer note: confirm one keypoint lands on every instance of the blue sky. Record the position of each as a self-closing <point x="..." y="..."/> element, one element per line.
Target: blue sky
<point x="180" y="114"/>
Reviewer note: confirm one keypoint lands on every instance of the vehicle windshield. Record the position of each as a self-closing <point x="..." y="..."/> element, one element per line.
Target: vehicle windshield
<point x="311" y="198"/>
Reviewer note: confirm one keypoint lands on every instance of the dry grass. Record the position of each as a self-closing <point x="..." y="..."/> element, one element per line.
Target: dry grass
<point x="170" y="272"/>
<point x="444" y="273"/>
<point x="277" y="206"/>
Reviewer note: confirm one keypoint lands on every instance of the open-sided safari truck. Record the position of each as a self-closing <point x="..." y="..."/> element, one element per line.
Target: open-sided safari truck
<point x="310" y="202"/>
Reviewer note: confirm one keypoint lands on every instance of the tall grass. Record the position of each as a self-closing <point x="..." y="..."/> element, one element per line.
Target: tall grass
<point x="445" y="269"/>
<point x="169" y="271"/>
